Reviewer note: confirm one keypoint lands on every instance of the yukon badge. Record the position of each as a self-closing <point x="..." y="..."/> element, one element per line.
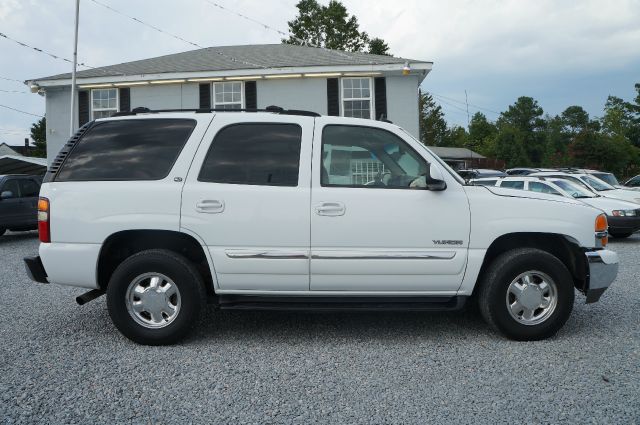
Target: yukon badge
<point x="447" y="242"/>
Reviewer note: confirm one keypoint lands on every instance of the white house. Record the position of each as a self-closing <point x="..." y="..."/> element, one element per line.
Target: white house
<point x="325" y="81"/>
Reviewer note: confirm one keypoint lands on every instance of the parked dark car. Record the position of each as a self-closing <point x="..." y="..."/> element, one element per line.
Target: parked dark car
<point x="479" y="173"/>
<point x="633" y="183"/>
<point x="19" y="202"/>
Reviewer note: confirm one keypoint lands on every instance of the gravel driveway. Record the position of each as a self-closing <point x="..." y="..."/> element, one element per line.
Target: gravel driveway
<point x="61" y="363"/>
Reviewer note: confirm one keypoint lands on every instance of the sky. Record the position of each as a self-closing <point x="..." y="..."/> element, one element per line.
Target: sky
<point x="560" y="52"/>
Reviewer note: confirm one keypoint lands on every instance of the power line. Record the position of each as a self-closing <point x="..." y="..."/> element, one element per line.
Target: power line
<point x="282" y="33"/>
<point x="160" y="30"/>
<point x="18" y="110"/>
<point x="14" y="91"/>
<point x="37" y="49"/>
<point x="464" y="103"/>
<point x="177" y="37"/>
<point x="11" y="79"/>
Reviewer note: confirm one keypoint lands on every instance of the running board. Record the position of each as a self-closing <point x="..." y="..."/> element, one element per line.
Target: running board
<point x="338" y="303"/>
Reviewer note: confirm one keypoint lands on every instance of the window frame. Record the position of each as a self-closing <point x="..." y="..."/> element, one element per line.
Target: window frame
<point x="371" y="97"/>
<point x="218" y="105"/>
<point x="555" y="191"/>
<point x="524" y="185"/>
<point x="339" y="186"/>
<point x="236" y="124"/>
<point x="116" y="109"/>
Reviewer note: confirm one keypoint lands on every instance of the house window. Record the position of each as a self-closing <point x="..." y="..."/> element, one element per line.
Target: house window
<point x="104" y="102"/>
<point x="356" y="98"/>
<point x="227" y="95"/>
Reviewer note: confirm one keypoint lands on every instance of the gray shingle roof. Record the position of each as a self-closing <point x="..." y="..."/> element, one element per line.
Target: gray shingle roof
<point x="227" y="58"/>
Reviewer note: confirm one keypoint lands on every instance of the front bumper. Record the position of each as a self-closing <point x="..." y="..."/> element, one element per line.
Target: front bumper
<point x="603" y="269"/>
<point x="35" y="269"/>
<point x="623" y="224"/>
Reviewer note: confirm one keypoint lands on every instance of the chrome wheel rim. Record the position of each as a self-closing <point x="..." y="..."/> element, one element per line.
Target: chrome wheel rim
<point x="153" y="300"/>
<point x="532" y="297"/>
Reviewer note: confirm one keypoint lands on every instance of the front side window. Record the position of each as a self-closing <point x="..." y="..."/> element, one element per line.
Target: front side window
<point x="140" y="149"/>
<point x="29" y="188"/>
<point x="104" y="103"/>
<point x="227" y="95"/>
<point x="513" y="184"/>
<point x="356" y="98"/>
<point x="634" y="182"/>
<point x="607" y="178"/>
<point x="542" y="188"/>
<point x="368" y="157"/>
<point x="263" y="154"/>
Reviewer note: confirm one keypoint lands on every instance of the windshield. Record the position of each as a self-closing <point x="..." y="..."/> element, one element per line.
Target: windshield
<point x="607" y="178"/>
<point x="573" y="189"/>
<point x="597" y="184"/>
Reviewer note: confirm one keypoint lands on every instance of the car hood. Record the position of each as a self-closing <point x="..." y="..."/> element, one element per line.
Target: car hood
<point x="519" y="193"/>
<point x="610" y="204"/>
<point x="624" y="194"/>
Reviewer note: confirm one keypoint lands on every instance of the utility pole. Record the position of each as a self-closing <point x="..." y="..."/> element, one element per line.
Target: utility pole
<point x="73" y="72"/>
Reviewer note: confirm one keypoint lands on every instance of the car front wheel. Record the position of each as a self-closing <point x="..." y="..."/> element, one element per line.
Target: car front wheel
<point x="155" y="297"/>
<point x="526" y="294"/>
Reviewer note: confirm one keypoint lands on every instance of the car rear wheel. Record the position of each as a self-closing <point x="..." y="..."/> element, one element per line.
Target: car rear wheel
<point x="155" y="297"/>
<point x="526" y="294"/>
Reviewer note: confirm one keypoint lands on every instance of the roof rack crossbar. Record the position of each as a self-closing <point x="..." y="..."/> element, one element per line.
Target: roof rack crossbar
<point x="272" y="109"/>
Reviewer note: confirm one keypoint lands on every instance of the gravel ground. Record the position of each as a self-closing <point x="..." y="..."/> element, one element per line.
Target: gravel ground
<point x="61" y="363"/>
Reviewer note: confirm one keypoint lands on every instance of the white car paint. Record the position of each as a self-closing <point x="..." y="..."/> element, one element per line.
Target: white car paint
<point x="586" y="180"/>
<point x="272" y="240"/>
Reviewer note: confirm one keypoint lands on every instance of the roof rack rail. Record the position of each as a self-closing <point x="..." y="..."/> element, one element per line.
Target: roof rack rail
<point x="273" y="109"/>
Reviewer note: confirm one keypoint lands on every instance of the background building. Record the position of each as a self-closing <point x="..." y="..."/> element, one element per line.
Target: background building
<point x="329" y="82"/>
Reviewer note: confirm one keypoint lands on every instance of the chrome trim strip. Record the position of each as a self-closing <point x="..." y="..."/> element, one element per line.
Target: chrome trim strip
<point x="275" y="254"/>
<point x="386" y="255"/>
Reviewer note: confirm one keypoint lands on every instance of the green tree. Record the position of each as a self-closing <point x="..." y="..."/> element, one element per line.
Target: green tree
<point x="433" y="127"/>
<point x="481" y="134"/>
<point x="39" y="137"/>
<point x="331" y="27"/>
<point x="525" y="116"/>
<point x="623" y="118"/>
<point x="377" y="46"/>
<point x="575" y="119"/>
<point x="510" y="146"/>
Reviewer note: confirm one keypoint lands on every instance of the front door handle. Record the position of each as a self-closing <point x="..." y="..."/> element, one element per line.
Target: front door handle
<point x="332" y="209"/>
<point x="210" y="206"/>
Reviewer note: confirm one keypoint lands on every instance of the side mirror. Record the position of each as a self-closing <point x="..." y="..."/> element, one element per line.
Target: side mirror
<point x="435" y="179"/>
<point x="7" y="194"/>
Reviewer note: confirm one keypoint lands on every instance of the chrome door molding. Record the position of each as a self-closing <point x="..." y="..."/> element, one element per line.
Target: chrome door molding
<point x="383" y="255"/>
<point x="271" y="254"/>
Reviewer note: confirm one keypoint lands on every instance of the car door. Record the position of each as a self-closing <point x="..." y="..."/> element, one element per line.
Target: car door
<point x="374" y="227"/>
<point x="247" y="196"/>
<point x="11" y="214"/>
<point x="29" y="191"/>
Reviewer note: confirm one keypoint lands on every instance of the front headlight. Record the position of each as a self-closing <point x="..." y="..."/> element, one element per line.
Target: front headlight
<point x="623" y="213"/>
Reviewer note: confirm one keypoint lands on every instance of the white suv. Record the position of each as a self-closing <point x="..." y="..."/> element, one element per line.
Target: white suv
<point x="291" y="210"/>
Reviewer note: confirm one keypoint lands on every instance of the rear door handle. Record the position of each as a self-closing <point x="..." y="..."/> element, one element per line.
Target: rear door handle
<point x="332" y="209"/>
<point x="210" y="206"/>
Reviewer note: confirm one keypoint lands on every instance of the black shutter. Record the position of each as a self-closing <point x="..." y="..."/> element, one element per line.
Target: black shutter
<point x="125" y="99"/>
<point x="333" y="97"/>
<point x="205" y="96"/>
<point x="250" y="95"/>
<point x="83" y="107"/>
<point x="380" y="87"/>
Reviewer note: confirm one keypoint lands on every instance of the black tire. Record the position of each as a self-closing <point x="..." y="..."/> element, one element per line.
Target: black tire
<point x="183" y="274"/>
<point x="2" y="230"/>
<point x="620" y="235"/>
<point x="494" y="284"/>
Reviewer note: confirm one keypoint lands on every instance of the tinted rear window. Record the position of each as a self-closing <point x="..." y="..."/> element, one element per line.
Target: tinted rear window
<point x="254" y="154"/>
<point x="127" y="150"/>
<point x="513" y="184"/>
